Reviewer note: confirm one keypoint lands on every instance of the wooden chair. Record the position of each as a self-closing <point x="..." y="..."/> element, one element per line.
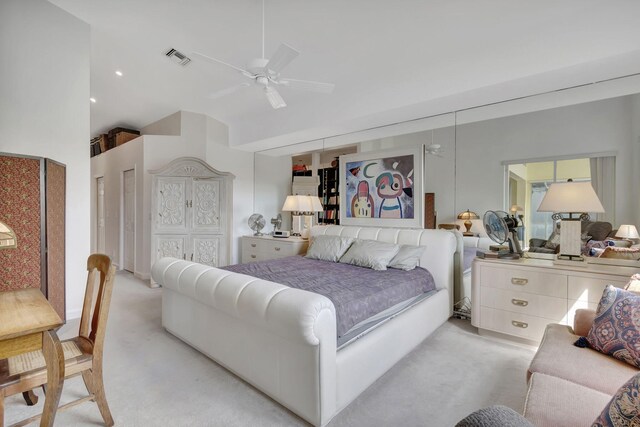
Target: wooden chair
<point x="83" y="354"/>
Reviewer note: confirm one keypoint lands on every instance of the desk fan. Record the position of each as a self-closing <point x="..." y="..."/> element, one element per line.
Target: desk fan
<point x="500" y="228"/>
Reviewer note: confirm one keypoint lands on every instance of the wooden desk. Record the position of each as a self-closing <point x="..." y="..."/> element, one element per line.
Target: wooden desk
<point x="28" y="323"/>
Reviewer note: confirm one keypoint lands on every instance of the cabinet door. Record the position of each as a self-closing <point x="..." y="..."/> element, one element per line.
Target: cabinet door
<point x="171" y="206"/>
<point x="170" y="246"/>
<point x="206" y="202"/>
<point x="206" y="250"/>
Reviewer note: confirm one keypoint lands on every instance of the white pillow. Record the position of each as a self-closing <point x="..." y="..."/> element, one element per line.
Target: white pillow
<point x="328" y="248"/>
<point x="407" y="258"/>
<point x="370" y="254"/>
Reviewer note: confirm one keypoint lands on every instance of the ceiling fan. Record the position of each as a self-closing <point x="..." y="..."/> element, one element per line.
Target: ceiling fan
<point x="265" y="74"/>
<point x="434" y="149"/>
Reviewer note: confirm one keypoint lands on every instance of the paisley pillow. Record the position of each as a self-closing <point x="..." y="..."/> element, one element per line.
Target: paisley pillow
<point x="616" y="328"/>
<point x="624" y="408"/>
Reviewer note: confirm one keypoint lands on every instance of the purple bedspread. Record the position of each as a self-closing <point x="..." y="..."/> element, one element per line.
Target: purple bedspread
<point x="356" y="292"/>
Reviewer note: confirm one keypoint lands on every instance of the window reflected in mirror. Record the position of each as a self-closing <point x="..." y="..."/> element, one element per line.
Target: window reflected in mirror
<point x="7" y="237"/>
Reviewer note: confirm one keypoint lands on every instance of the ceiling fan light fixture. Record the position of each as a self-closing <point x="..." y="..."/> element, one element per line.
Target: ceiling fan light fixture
<point x="274" y="98"/>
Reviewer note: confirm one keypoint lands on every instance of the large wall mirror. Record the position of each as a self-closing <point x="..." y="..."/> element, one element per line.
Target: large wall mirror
<point x="495" y="156"/>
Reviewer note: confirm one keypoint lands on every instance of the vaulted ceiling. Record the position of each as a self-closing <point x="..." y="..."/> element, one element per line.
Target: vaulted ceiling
<point x="382" y="56"/>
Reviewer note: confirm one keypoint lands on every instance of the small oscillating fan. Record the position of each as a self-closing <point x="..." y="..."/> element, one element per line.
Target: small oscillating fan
<point x="500" y="228"/>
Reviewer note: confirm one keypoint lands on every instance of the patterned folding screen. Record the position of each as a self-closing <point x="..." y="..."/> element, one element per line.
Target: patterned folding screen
<point x="32" y="203"/>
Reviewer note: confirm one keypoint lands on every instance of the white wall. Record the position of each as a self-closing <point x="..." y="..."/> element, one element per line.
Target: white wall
<point x="240" y="164"/>
<point x="44" y="111"/>
<point x="272" y="186"/>
<point x="112" y="165"/>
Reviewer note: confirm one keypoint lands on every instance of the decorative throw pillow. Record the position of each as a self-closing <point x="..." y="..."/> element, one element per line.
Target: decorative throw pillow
<point x="554" y="239"/>
<point x="407" y="258"/>
<point x="616" y="328"/>
<point x="370" y="254"/>
<point x="328" y="248"/>
<point x="623" y="410"/>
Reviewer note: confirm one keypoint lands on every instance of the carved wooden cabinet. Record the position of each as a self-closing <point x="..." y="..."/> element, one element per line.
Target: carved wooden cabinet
<point x="191" y="212"/>
<point x="32" y="203"/>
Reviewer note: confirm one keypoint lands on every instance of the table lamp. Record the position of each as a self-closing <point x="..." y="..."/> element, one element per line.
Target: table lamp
<point x="302" y="209"/>
<point x="467" y="216"/>
<point x="7" y="237"/>
<point x="573" y="198"/>
<point x="629" y="232"/>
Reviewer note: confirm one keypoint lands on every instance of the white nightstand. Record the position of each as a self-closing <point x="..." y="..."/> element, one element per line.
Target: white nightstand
<point x="260" y="248"/>
<point x="519" y="298"/>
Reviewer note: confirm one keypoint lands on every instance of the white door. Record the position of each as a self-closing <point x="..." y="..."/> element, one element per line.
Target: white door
<point x="100" y="221"/>
<point x="129" y="220"/>
<point x="170" y="246"/>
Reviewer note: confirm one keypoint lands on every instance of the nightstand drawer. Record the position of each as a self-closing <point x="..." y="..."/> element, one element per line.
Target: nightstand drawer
<point x="534" y="282"/>
<point x="525" y="303"/>
<point x="520" y="325"/>
<point x="251" y="255"/>
<point x="277" y="249"/>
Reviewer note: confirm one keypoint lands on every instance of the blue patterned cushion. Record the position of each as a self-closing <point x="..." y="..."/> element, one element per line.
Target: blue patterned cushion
<point x="624" y="408"/>
<point x="616" y="328"/>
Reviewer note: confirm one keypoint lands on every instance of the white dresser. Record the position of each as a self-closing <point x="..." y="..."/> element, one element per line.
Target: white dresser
<point x="261" y="248"/>
<point x="519" y="298"/>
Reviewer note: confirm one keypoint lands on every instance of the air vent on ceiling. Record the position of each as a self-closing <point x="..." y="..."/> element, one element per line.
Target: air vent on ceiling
<point x="178" y="57"/>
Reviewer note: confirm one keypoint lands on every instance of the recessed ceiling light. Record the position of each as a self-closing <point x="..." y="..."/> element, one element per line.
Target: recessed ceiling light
<point x="92" y="100"/>
<point x="118" y="73"/>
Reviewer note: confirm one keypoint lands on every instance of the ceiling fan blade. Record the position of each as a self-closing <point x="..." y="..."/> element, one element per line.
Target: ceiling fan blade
<point x="274" y="97"/>
<point x="227" y="91"/>
<point x="308" y="85"/>
<point x="281" y="58"/>
<point x="217" y="61"/>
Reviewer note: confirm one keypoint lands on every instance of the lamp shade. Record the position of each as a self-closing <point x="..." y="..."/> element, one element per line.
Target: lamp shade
<point x="571" y="197"/>
<point x="467" y="215"/>
<point x="628" y="232"/>
<point x="302" y="204"/>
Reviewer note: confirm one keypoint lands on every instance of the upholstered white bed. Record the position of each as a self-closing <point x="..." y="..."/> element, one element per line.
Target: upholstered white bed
<point x="283" y="340"/>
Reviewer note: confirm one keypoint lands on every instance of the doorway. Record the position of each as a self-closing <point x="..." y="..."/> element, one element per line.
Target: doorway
<point x="100" y="217"/>
<point x="128" y="222"/>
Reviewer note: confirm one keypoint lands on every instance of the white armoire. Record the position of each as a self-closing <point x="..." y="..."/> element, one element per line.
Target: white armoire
<point x="191" y="212"/>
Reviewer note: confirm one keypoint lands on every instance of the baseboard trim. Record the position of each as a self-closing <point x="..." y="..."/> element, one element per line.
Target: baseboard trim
<point x="74" y="314"/>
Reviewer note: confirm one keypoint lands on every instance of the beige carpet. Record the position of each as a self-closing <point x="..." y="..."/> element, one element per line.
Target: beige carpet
<point x="154" y="379"/>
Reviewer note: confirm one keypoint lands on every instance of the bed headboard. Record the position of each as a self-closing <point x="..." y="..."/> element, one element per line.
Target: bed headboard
<point x="442" y="256"/>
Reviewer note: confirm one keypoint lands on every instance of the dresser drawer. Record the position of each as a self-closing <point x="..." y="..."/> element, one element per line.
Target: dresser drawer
<point x="525" y="303"/>
<point x="277" y="249"/>
<point x="590" y="288"/>
<point x="520" y="325"/>
<point x="250" y="255"/>
<point x="533" y="282"/>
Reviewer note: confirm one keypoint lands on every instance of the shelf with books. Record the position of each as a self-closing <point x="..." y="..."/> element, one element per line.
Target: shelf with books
<point x="329" y="193"/>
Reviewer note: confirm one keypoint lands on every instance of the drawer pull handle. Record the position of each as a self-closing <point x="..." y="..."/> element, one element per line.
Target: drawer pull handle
<point x="253" y="245"/>
<point x="517" y="324"/>
<point x="520" y="302"/>
<point x="277" y="249"/>
<point x="253" y="256"/>
<point x="519" y="281"/>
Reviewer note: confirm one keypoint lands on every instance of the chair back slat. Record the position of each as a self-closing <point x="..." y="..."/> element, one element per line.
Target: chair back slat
<point x="86" y="306"/>
<point x="99" y="267"/>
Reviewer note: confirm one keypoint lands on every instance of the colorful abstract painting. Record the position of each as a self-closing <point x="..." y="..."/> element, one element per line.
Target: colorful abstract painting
<point x="381" y="188"/>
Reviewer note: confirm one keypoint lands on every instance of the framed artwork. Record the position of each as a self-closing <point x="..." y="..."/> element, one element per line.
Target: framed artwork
<point x="382" y="188"/>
